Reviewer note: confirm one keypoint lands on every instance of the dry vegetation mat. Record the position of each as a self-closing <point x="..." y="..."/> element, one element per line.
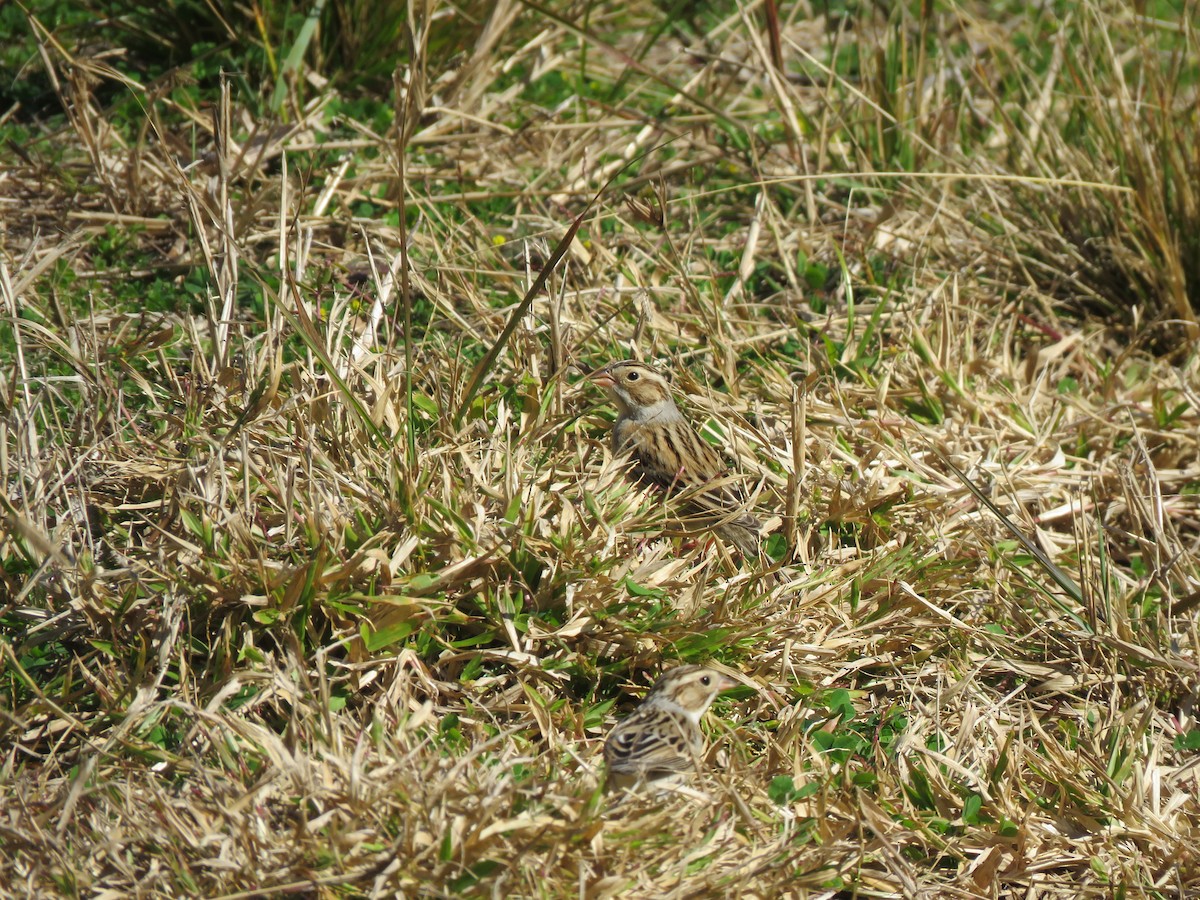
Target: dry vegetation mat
<point x="317" y="572"/>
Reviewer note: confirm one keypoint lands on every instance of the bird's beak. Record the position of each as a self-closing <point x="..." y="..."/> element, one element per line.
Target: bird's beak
<point x="603" y="378"/>
<point x="726" y="683"/>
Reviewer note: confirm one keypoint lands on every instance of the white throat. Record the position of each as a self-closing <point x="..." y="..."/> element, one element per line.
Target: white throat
<point x="692" y="715"/>
<point x="662" y="411"/>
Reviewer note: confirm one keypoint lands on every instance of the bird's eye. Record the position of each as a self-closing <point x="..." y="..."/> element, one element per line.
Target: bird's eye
<point x="632" y="376"/>
<point x="705" y="680"/>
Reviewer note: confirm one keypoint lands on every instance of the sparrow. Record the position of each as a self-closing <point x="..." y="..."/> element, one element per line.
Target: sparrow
<point x="662" y="736"/>
<point x="666" y="451"/>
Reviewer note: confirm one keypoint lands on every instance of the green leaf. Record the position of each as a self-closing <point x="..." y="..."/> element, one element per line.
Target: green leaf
<point x="593" y="716"/>
<point x="1189" y="741"/>
<point x="393" y="634"/>
<point x="782" y="790"/>
<point x="638" y="590"/>
<point x="971" y="807"/>
<point x="839" y="703"/>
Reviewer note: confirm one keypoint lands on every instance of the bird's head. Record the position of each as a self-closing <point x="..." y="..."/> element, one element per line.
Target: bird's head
<point x="635" y="387"/>
<point x="690" y="688"/>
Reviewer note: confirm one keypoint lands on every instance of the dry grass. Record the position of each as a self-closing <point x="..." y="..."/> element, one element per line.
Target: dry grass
<point x="288" y="605"/>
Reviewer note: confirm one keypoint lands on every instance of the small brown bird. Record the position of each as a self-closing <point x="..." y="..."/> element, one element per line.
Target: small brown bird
<point x="662" y="736"/>
<point x="666" y="451"/>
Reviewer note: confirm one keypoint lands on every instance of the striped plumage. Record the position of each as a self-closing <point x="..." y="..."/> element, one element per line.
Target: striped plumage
<point x="666" y="451"/>
<point x="662" y="736"/>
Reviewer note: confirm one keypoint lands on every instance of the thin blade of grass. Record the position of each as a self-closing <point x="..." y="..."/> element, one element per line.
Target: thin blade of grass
<point x="1061" y="578"/>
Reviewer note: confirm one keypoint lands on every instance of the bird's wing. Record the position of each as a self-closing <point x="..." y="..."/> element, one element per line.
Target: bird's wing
<point x="652" y="741"/>
<point x="712" y="487"/>
<point x="677" y="459"/>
